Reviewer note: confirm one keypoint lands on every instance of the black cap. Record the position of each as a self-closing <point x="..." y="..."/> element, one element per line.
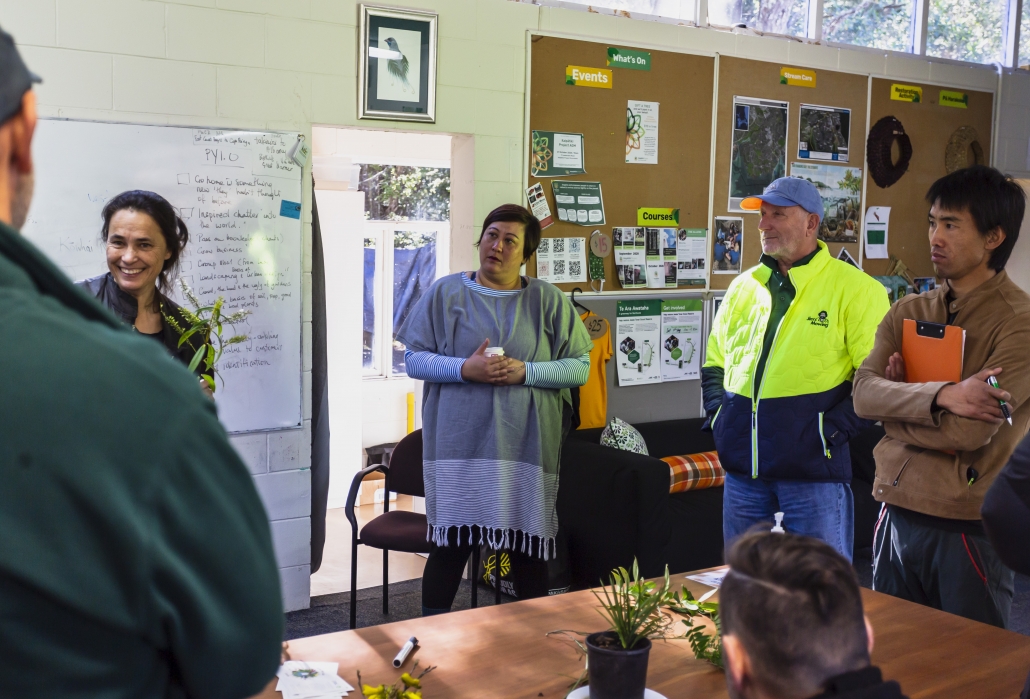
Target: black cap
<point x="15" y="78"/>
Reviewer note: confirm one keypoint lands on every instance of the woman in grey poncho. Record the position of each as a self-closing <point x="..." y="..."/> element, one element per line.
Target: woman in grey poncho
<point x="492" y="426"/>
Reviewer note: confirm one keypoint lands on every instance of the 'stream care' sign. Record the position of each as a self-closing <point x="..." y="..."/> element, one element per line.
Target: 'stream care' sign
<point x="588" y="77"/>
<point x="799" y="77"/>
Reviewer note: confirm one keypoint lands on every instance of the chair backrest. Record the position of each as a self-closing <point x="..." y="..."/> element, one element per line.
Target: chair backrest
<point x="405" y="473"/>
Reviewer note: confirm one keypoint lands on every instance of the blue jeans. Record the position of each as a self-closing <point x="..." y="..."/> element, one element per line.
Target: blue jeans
<point x="822" y="510"/>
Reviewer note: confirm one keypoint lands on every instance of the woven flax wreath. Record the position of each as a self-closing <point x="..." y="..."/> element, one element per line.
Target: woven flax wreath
<point x="883" y="169"/>
<point x="956" y="155"/>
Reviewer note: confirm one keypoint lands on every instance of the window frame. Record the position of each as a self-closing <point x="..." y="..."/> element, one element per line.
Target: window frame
<point x="383" y="233"/>
<point x="814" y="33"/>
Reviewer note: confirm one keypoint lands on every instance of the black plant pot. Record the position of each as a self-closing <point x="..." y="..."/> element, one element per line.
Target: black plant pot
<point x="615" y="672"/>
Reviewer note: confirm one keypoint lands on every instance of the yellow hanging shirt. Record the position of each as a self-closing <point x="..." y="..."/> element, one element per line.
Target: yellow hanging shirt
<point x="593" y="395"/>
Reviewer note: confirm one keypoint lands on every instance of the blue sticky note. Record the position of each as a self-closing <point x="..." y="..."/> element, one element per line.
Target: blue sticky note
<point x="289" y="209"/>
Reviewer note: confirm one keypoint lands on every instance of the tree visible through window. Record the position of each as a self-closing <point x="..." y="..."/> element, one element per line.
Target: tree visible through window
<point x="1024" y="36"/>
<point x="966" y="30"/>
<point x="788" y="17"/>
<point x="879" y="24"/>
<point x="402" y="206"/>
<point x="401" y="193"/>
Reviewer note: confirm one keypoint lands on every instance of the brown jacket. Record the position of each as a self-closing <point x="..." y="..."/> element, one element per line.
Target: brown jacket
<point x="913" y="467"/>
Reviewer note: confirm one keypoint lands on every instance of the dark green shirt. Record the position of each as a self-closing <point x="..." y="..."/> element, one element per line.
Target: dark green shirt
<point x="783" y="293"/>
<point x="135" y="556"/>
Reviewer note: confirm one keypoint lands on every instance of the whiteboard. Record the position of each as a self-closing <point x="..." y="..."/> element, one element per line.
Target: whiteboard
<point x="239" y="194"/>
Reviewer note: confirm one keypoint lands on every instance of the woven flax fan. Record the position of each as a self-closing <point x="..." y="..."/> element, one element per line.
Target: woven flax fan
<point x="882" y="136"/>
<point x="956" y="154"/>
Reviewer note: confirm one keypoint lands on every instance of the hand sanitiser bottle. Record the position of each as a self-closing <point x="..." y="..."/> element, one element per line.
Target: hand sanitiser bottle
<point x="778" y="528"/>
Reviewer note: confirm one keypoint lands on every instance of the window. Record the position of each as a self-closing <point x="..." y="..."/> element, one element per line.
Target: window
<point x="1024" y="35"/>
<point x="966" y="31"/>
<point x="879" y="24"/>
<point x="789" y="17"/>
<point x="406" y="233"/>
<point x="673" y="9"/>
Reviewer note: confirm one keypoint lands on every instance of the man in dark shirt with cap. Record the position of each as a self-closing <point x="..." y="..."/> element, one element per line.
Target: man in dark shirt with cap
<point x="135" y="555"/>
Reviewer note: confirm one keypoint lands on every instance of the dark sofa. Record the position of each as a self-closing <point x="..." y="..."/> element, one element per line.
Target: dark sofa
<point x="615" y="505"/>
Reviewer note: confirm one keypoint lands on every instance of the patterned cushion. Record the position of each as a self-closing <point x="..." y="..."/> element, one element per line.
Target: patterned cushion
<point x="694" y="471"/>
<point x="622" y="435"/>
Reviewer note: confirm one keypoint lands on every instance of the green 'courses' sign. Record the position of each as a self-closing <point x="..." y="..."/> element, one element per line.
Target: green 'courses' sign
<point x="625" y="58"/>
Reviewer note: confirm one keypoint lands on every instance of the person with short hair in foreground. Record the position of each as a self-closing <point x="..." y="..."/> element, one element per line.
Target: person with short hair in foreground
<point x="135" y="555"/>
<point x="946" y="441"/>
<point x="793" y="625"/>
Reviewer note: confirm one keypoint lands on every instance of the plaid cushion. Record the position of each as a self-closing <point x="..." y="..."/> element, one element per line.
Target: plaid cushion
<point x="694" y="471"/>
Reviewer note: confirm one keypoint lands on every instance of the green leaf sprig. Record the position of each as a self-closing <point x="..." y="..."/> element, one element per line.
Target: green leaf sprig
<point x="206" y="323"/>
<point x="633" y="607"/>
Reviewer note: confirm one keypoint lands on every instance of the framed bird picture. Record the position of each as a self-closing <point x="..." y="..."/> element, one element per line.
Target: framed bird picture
<point x="398" y="64"/>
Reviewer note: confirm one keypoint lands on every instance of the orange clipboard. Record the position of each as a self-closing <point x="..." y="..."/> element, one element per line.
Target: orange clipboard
<point x="932" y="351"/>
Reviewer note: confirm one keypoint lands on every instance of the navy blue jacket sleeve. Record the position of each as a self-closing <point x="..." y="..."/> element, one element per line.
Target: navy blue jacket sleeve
<point x="842" y="423"/>
<point x="1006" y="511"/>
<point x="712" y="392"/>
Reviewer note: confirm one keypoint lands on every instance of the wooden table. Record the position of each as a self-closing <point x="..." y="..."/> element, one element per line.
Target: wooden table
<point x="503" y="651"/>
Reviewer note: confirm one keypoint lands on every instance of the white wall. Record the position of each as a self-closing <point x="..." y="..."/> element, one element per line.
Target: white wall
<point x="288" y="64"/>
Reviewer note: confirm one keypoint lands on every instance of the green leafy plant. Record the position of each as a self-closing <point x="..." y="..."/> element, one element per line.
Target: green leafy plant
<point x="206" y="324"/>
<point x="407" y="687"/>
<point x="633" y="607"/>
<point x="706" y="646"/>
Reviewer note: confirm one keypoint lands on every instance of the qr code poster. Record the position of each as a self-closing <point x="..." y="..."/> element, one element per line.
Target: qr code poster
<point x="561" y="260"/>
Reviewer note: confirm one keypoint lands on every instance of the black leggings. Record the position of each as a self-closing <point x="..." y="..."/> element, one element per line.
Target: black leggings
<point x="442" y="575"/>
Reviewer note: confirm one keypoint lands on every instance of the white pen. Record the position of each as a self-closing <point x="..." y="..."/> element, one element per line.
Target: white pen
<point x="405" y="649"/>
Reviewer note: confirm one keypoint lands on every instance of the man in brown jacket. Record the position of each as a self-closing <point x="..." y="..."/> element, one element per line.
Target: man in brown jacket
<point x="946" y="442"/>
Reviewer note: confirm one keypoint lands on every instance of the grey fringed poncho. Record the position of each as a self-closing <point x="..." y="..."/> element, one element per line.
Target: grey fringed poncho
<point x="491" y="452"/>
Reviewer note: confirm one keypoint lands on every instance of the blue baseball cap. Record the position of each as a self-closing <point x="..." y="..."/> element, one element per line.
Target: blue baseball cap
<point x="15" y="78"/>
<point x="788" y="191"/>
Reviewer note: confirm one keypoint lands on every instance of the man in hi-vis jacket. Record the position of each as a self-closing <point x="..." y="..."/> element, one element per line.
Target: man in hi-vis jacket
<point x="777" y="379"/>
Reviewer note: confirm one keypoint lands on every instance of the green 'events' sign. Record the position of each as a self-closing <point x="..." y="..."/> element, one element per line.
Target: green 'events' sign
<point x="625" y="58"/>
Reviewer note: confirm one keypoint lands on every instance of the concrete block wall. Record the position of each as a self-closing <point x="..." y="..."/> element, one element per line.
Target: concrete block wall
<point x="288" y="64"/>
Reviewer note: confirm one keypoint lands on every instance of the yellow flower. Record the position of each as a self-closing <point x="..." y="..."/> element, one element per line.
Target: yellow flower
<point x="410" y="681"/>
<point x="374" y="692"/>
<point x="411" y="695"/>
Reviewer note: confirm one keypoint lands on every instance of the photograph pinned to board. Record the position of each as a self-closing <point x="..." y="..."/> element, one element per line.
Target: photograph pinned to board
<point x="681" y="339"/>
<point x="845" y="256"/>
<point x="579" y="202"/>
<point x="877" y="220"/>
<point x="642" y="132"/>
<point x="729" y="244"/>
<point x="630" y="248"/>
<point x="661" y="257"/>
<point x="561" y="260"/>
<point x="638" y="326"/>
<point x="758" y="154"/>
<point x="398" y="64"/>
<point x="824" y="133"/>
<point x="556" y="154"/>
<point x="538" y="205"/>
<point x="691" y="256"/>
<point x="924" y="284"/>
<point x="840" y="188"/>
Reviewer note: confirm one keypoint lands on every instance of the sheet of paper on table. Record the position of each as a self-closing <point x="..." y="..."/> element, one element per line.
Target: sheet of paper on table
<point x="309" y="680"/>
<point x="711" y="578"/>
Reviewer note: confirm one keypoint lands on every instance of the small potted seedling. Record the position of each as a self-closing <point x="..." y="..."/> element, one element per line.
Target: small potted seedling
<point x="617" y="658"/>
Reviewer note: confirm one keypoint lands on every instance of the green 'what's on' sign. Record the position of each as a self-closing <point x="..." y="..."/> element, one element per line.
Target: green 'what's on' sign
<point x="625" y="58"/>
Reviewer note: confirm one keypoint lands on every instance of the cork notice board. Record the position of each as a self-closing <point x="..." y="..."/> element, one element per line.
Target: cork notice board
<point x="929" y="125"/>
<point x="682" y="84"/>
<point x="758" y="79"/>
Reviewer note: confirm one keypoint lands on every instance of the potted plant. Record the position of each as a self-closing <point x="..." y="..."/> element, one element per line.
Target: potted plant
<point x="617" y="658"/>
<point x="206" y="323"/>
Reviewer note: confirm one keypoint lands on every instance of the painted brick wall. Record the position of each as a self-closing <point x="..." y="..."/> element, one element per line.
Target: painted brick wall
<point x="286" y="64"/>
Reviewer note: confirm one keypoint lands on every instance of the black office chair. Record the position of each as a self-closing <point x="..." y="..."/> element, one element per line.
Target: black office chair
<point x="397" y="530"/>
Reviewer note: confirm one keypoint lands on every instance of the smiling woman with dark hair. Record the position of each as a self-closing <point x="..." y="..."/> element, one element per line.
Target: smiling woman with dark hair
<point x="493" y="423"/>
<point x="144" y="239"/>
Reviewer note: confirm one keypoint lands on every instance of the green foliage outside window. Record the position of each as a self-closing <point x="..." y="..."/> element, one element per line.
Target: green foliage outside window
<point x="966" y="31"/>
<point x="880" y="24"/>
<point x="402" y="193"/>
